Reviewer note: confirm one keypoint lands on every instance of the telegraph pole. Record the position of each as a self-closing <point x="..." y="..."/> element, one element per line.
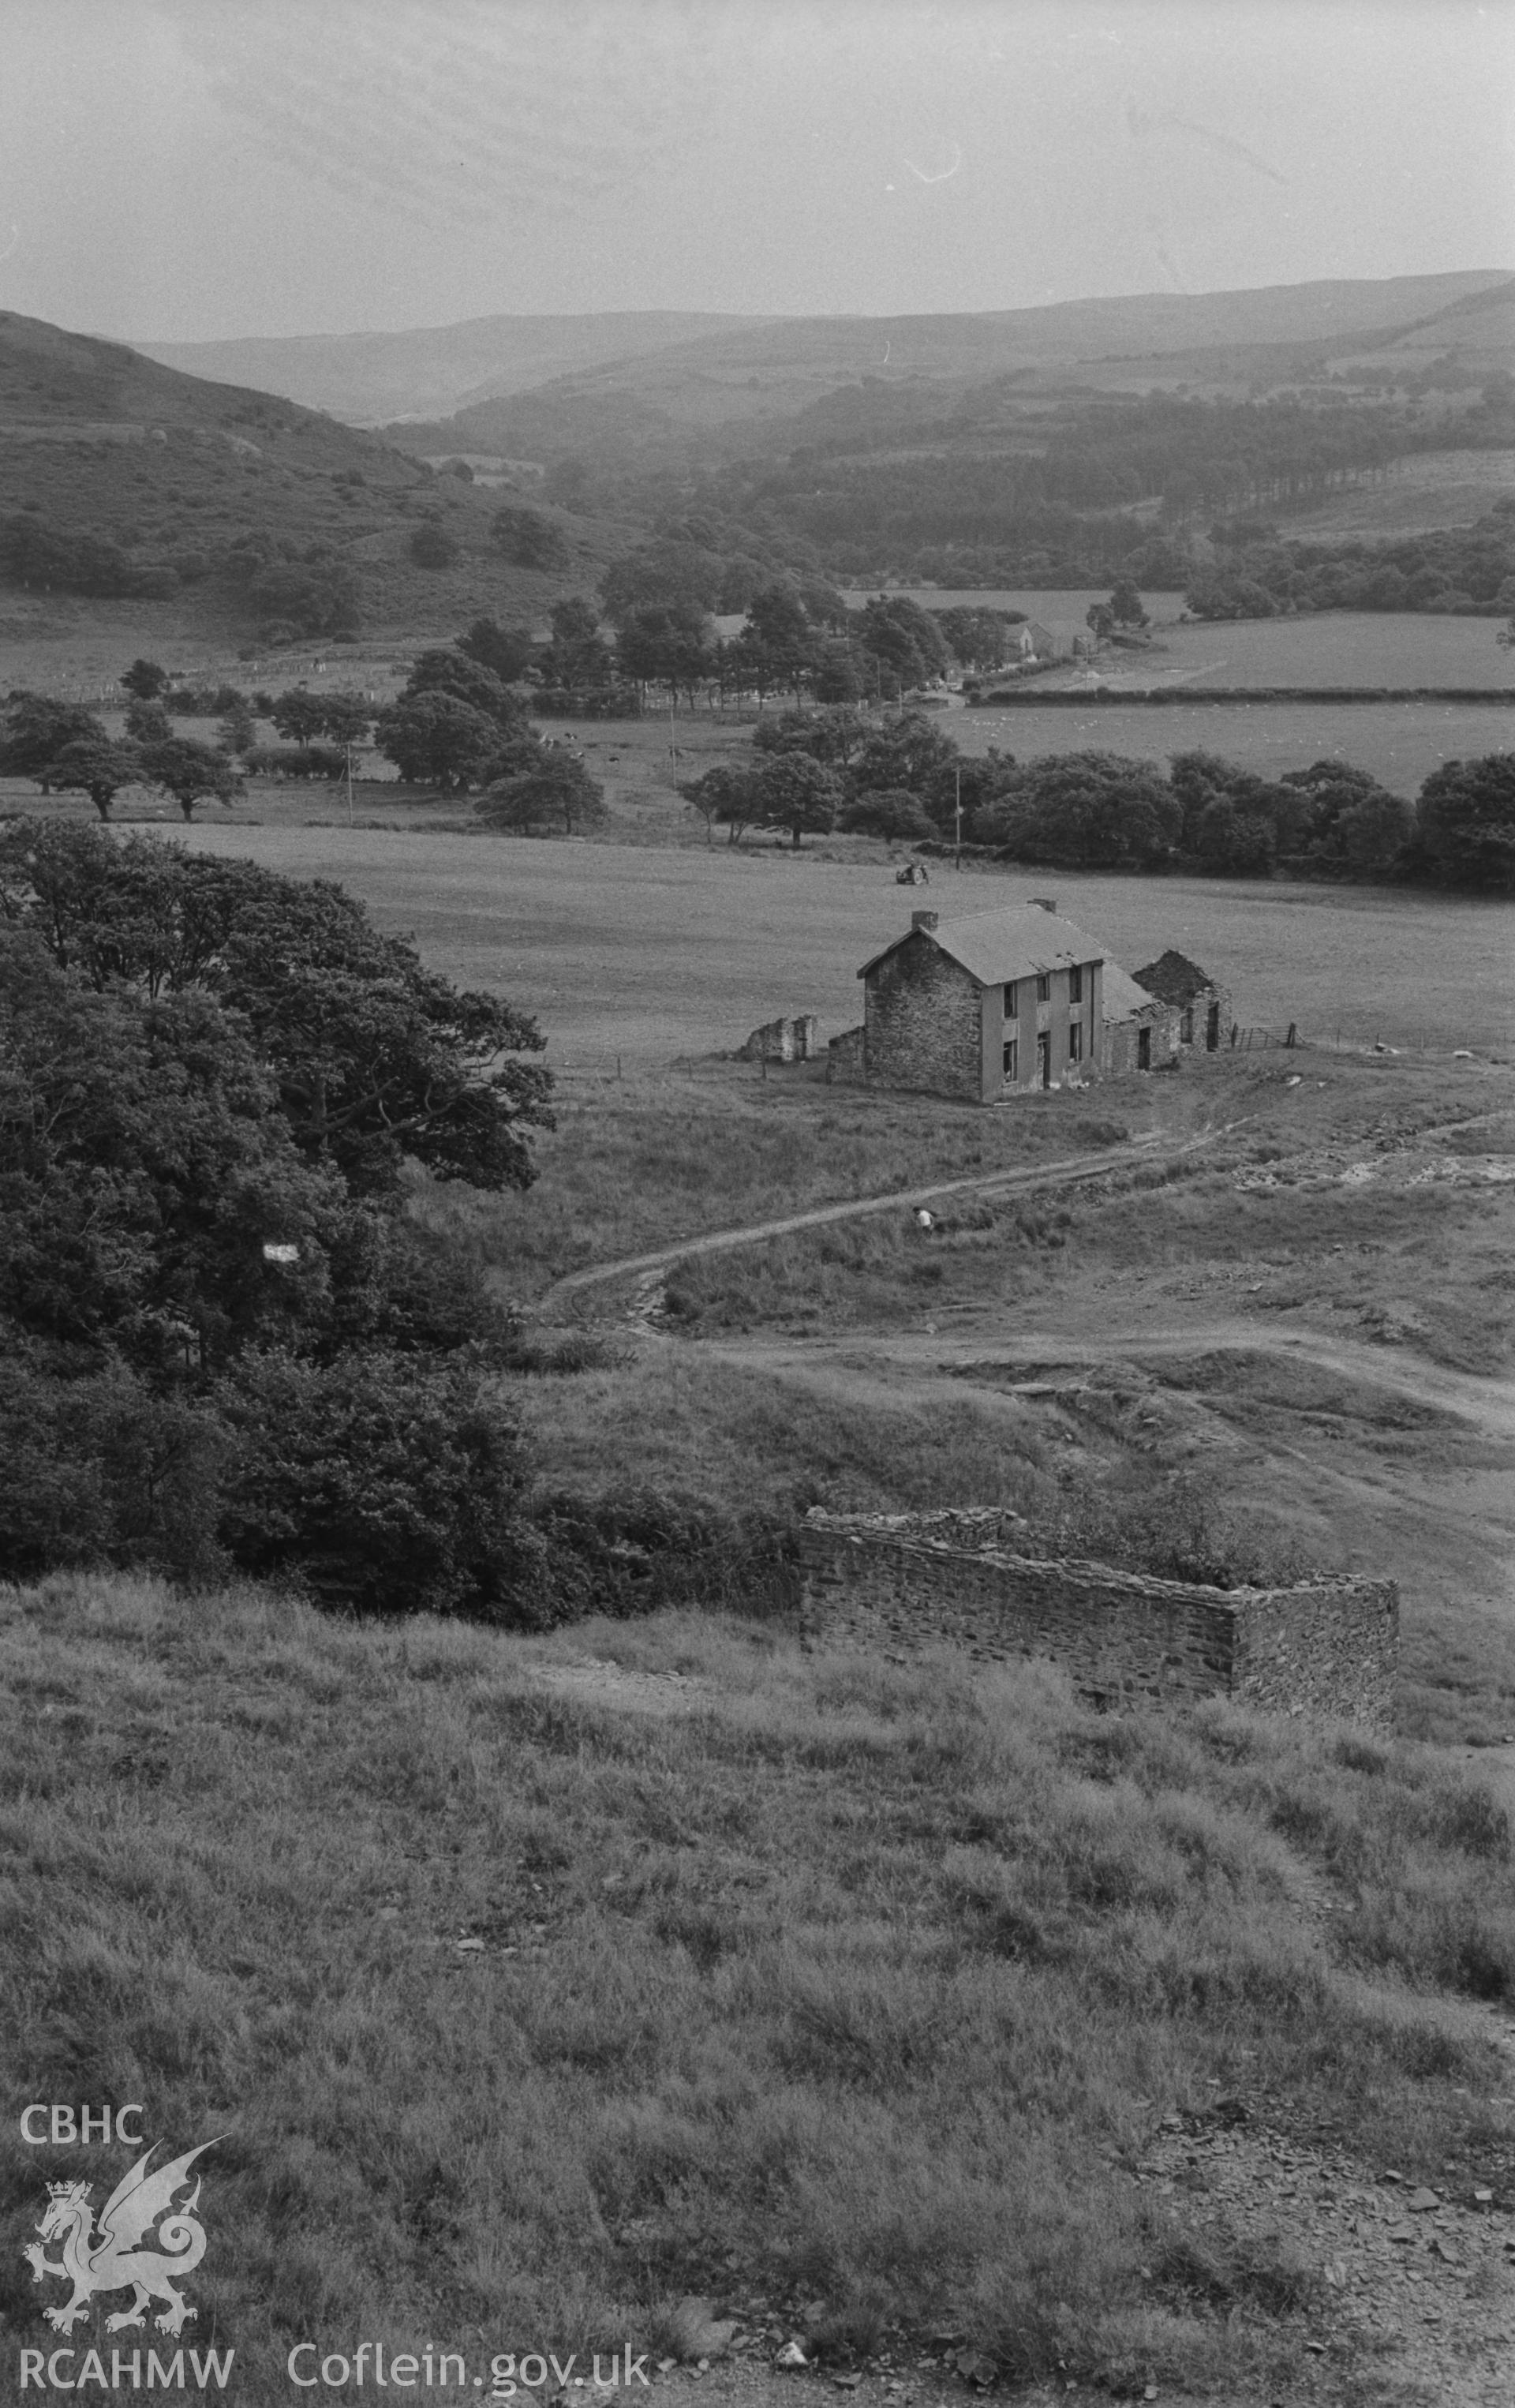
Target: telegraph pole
<point x="957" y="819"/>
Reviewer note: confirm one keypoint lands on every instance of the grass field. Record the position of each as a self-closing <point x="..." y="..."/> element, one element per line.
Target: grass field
<point x="1399" y="742"/>
<point x="1327" y="648"/>
<point x="535" y="1985"/>
<point x="652" y="954"/>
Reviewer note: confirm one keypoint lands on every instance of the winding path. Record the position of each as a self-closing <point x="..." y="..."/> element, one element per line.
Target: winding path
<point x="1067" y="1172"/>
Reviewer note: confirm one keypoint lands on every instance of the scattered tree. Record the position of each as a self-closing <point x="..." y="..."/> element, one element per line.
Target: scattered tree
<point x="145" y="678"/>
<point x="1465" y="823"/>
<point x="433" y="740"/>
<point x="529" y="539"/>
<point x="505" y="651"/>
<point x="191" y="772"/>
<point x="35" y="728"/>
<point x="729" y="796"/>
<point x="894" y="813"/>
<point x="557" y="792"/>
<point x="796" y="794"/>
<point x="148" y="722"/>
<point x="93" y="766"/>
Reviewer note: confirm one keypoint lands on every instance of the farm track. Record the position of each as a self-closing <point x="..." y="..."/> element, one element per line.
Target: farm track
<point x="1488" y="1403"/>
<point x="1069" y="1171"/>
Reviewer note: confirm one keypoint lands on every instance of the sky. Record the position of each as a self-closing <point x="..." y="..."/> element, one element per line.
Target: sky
<point x="182" y="170"/>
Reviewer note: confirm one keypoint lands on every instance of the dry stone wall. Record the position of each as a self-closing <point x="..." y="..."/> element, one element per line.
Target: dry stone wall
<point x="894" y="1583"/>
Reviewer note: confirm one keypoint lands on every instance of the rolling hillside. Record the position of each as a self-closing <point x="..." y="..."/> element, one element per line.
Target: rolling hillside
<point x="121" y="478"/>
<point x="423" y="371"/>
<point x="754" y="374"/>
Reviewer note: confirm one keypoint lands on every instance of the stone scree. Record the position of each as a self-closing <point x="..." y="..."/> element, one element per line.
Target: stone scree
<point x="895" y="1582"/>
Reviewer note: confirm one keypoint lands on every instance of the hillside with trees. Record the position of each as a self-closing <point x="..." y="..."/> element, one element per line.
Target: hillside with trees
<point x="122" y="479"/>
<point x="972" y="462"/>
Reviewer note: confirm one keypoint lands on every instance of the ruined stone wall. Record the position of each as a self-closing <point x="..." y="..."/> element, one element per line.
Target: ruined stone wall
<point x="894" y="1583"/>
<point x="783" y="1040"/>
<point x="922" y="1024"/>
<point x="844" y="1055"/>
<point x="1333" y="1639"/>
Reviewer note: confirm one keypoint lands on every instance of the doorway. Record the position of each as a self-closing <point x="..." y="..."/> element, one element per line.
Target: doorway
<point x="1044" y="1059"/>
<point x="1144" y="1049"/>
<point x="1212" y="1029"/>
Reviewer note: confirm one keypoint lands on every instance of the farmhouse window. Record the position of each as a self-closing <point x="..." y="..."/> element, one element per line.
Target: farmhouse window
<point x="1012" y="1061"/>
<point x="1044" y="987"/>
<point x="1076" y="983"/>
<point x="1012" y="1007"/>
<point x="1075" y="1041"/>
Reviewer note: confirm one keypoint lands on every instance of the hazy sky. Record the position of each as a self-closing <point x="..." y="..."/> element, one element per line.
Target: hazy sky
<point x="173" y="169"/>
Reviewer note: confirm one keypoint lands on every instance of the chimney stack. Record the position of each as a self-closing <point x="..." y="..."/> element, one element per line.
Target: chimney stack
<point x="923" y="919"/>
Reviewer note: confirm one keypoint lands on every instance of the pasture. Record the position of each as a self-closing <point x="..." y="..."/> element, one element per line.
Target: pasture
<point x="650" y="954"/>
<point x="1322" y="648"/>
<point x="1399" y="742"/>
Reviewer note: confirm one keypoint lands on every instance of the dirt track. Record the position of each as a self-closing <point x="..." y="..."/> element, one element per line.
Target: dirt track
<point x="1488" y="1403"/>
<point x="1068" y="1171"/>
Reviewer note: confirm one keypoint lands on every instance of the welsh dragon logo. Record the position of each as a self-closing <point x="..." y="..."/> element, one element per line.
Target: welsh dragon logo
<point x="112" y="2259"/>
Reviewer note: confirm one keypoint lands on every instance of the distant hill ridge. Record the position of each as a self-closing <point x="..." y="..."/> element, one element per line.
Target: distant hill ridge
<point x="432" y="372"/>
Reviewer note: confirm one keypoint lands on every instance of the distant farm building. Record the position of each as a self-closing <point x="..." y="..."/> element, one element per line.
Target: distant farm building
<point x="1000" y="1003"/>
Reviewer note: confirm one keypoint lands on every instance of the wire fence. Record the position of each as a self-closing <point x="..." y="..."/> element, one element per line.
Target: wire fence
<point x="1498" y="1041"/>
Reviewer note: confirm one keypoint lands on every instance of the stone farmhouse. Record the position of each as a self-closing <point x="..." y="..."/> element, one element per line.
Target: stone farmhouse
<point x="1003" y="1002"/>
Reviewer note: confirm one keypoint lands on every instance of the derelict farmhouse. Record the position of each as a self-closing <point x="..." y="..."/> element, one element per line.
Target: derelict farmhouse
<point x="1002" y="1002"/>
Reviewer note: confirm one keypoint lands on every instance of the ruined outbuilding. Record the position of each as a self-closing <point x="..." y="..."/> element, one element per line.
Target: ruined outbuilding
<point x="784" y="1040"/>
<point x="894" y="1583"/>
<point x="1200" y="1005"/>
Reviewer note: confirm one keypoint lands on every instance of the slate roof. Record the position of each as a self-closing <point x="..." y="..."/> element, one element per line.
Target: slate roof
<point x="1020" y="941"/>
<point x="1173" y="978"/>
<point x="1121" y="997"/>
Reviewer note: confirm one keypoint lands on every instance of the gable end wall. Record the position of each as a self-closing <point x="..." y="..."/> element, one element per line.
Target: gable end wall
<point x="923" y="1023"/>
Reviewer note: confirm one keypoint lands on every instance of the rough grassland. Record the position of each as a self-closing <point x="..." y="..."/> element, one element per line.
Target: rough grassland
<point x="866" y="1364"/>
<point x="844" y="1993"/>
<point x="652" y="955"/>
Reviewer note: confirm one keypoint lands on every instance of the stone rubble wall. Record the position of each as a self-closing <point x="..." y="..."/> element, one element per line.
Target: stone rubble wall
<point x="922" y="1024"/>
<point x="784" y="1040"/>
<point x="844" y="1055"/>
<point x="894" y="1583"/>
